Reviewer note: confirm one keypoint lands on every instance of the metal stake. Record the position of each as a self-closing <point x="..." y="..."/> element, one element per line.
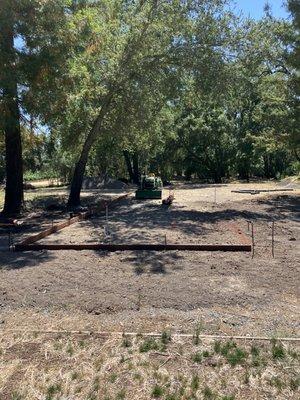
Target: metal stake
<point x="252" y="234"/>
<point x="273" y="232"/>
<point x="215" y="195"/>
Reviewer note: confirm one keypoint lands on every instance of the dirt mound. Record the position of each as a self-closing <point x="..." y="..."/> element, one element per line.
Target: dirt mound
<point x="102" y="183"/>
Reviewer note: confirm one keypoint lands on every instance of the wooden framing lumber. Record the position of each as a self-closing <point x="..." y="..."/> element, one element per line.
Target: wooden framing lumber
<point x="134" y="246"/>
<point x="70" y="221"/>
<point x="257" y="191"/>
<point x="55" y="228"/>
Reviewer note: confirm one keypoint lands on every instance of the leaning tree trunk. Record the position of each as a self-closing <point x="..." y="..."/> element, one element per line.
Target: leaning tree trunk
<point x="128" y="165"/>
<point x="74" y="197"/>
<point x="11" y="122"/>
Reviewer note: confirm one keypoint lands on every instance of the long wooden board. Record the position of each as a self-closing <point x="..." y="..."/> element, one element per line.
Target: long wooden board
<point x="69" y="221"/>
<point x="134" y="246"/>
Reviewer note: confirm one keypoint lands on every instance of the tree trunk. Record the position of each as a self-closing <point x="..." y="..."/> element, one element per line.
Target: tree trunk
<point x="129" y="166"/>
<point x="11" y="123"/>
<point x="74" y="197"/>
<point x="136" y="170"/>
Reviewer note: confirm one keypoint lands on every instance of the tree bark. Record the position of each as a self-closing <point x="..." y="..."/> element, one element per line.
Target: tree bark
<point x="136" y="169"/>
<point x="129" y="165"/>
<point x="11" y="122"/>
<point x="76" y="184"/>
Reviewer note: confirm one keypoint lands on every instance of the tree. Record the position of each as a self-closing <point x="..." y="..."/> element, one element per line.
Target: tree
<point x="10" y="121"/>
<point x="155" y="41"/>
<point x="29" y="54"/>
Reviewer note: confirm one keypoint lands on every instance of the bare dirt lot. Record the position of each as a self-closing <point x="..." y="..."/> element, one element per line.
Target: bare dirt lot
<point x="227" y="293"/>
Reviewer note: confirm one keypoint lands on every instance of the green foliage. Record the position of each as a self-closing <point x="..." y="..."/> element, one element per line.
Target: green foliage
<point x="148" y="344"/>
<point x="233" y="354"/>
<point x="157" y="392"/>
<point x="278" y="351"/>
<point x="191" y="89"/>
<point x="195" y="383"/>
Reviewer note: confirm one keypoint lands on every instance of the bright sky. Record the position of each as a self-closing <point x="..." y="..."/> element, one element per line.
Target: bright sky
<point x="254" y="8"/>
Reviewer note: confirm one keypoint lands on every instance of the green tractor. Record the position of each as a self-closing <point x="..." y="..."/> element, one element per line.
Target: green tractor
<point x="150" y="188"/>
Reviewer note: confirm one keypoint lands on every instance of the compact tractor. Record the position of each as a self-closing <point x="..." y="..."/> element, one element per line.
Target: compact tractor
<point x="150" y="188"/>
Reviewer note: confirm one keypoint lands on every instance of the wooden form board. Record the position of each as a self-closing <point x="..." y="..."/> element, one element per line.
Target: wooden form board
<point x="30" y="244"/>
<point x="69" y="221"/>
<point x="137" y="246"/>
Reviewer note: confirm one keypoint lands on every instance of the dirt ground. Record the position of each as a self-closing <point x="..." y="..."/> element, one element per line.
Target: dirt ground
<point x="230" y="292"/>
<point x="226" y="293"/>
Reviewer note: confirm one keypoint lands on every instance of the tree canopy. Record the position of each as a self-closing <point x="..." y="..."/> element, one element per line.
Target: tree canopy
<point x="181" y="88"/>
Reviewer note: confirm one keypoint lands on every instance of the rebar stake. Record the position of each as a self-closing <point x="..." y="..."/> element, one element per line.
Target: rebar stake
<point x="273" y="233"/>
<point x="252" y="235"/>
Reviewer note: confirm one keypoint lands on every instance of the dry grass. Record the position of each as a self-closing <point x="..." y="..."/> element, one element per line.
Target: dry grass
<point x="93" y="367"/>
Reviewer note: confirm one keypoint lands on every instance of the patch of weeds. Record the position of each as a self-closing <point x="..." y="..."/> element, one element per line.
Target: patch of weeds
<point x="277" y="382"/>
<point x="121" y="395"/>
<point x="231" y="397"/>
<point x="130" y="366"/>
<point x="74" y="375"/>
<point x="217" y="347"/>
<point x="96" y="384"/>
<point x="208" y="394"/>
<point x="236" y="356"/>
<point x="233" y="354"/>
<point x="148" y="344"/>
<point x="17" y="396"/>
<point x="293" y="354"/>
<point x="278" y="352"/>
<point x="171" y="396"/>
<point x="113" y="377"/>
<point x="295" y="383"/>
<point x="81" y="344"/>
<point x="137" y="376"/>
<point x="227" y="347"/>
<point x="196" y="338"/>
<point x="122" y="359"/>
<point x="126" y="342"/>
<point x="57" y="346"/>
<point x="246" y="378"/>
<point x="197" y="357"/>
<point x="52" y="390"/>
<point x="157" y="392"/>
<point x="255" y="351"/>
<point x="98" y="363"/>
<point x="206" y="353"/>
<point x="195" y="383"/>
<point x="166" y="337"/>
<point x="256" y="359"/>
<point x="70" y="349"/>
